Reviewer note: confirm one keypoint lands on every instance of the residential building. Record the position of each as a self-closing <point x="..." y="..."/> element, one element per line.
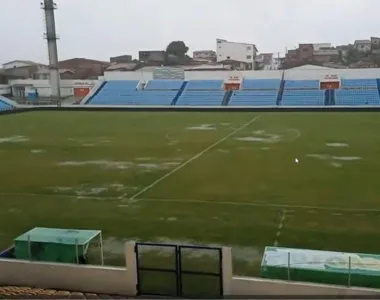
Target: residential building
<point x="122" y="67"/>
<point x="363" y="46"/>
<point x="23" y="71"/>
<point x="306" y="51"/>
<point x="318" y="46"/>
<point x="292" y="54"/>
<point x="326" y="55"/>
<point x="84" y="68"/>
<point x="266" y="61"/>
<point x="18" y="64"/>
<point x="154" y="57"/>
<point x="375" y="45"/>
<point x="122" y="59"/>
<point x="237" y="52"/>
<point x="44" y="73"/>
<point x="207" y="55"/>
<point x="375" y="40"/>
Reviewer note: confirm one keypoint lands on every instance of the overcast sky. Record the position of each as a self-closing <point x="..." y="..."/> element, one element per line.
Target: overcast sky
<point x="99" y="29"/>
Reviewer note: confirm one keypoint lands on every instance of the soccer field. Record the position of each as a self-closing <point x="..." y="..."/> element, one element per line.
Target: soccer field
<point x="198" y="178"/>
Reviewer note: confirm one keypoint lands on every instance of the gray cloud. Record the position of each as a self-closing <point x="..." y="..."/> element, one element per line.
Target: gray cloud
<point x="99" y="29"/>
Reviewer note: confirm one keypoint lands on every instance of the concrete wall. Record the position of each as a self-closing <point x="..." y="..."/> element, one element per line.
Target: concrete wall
<point x="137" y="75"/>
<point x="43" y="87"/>
<point x="122" y="281"/>
<point x="96" y="279"/>
<point x="292" y="74"/>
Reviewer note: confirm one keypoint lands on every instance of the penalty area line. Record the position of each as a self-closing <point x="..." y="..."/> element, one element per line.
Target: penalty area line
<point x="263" y="204"/>
<point x="360" y="211"/>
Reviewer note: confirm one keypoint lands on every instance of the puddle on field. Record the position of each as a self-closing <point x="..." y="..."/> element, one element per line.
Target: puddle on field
<point x="123" y="165"/>
<point x="337" y="145"/>
<point x="14" y="139"/>
<point x="346" y="158"/>
<point x="37" y="151"/>
<point x="335" y="161"/>
<point x="261" y="136"/>
<point x="96" y="190"/>
<point x="223" y="150"/>
<point x="102" y="163"/>
<point x="202" y="127"/>
<point x="330" y="157"/>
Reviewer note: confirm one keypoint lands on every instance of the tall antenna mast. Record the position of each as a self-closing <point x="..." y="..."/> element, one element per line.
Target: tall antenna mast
<point x="50" y="35"/>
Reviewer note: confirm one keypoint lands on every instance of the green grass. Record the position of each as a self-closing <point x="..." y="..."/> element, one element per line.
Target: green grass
<point x="233" y="194"/>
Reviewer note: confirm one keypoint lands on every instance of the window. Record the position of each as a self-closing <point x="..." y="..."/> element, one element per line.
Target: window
<point x="305" y="49"/>
<point x="249" y="48"/>
<point x="249" y="56"/>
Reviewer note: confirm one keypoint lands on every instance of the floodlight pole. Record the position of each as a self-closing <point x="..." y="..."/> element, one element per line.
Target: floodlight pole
<point x="49" y="6"/>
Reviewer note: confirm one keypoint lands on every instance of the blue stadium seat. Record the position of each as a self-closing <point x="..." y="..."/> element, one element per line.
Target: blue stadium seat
<point x="136" y="98"/>
<point x="261" y="84"/>
<point x="204" y="85"/>
<point x="200" y="98"/>
<point x="359" y="83"/>
<point x="303" y="98"/>
<point x="164" y="85"/>
<point x="4" y="105"/>
<point x="125" y="93"/>
<point x="253" y="98"/>
<point x="301" y="84"/>
<point x="357" y="97"/>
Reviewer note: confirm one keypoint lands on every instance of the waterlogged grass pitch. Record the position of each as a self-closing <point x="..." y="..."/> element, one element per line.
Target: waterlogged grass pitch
<point x="198" y="178"/>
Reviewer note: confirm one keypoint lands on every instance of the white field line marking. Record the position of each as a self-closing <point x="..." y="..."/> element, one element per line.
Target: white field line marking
<point x="265" y="204"/>
<point x="280" y="226"/>
<point x="154" y="183"/>
<point x="213" y="202"/>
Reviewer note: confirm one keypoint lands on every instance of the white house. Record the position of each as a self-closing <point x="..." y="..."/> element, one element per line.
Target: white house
<point x="363" y="46"/>
<point x="18" y="64"/>
<point x="240" y="52"/>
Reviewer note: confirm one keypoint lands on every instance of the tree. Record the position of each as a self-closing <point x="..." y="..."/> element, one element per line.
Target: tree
<point x="352" y="56"/>
<point x="177" y="48"/>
